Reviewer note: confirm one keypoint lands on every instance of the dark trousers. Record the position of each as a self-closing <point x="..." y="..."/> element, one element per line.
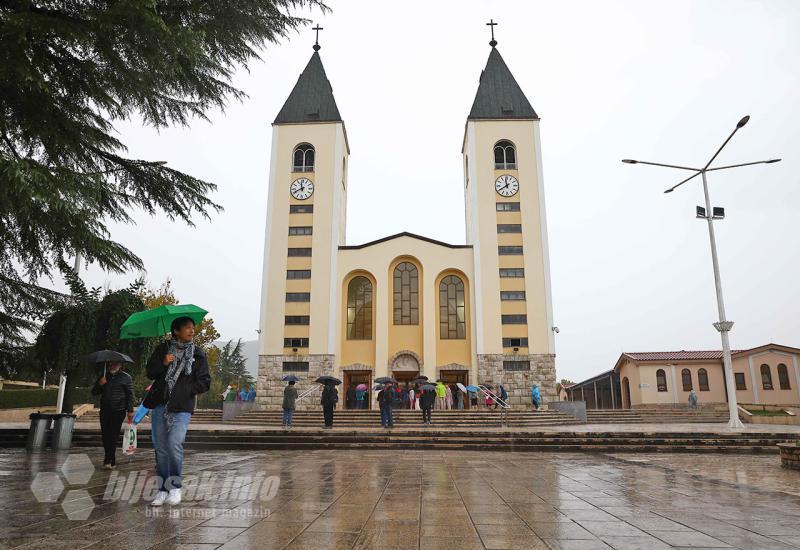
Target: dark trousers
<point x="110" y="424"/>
<point x="426" y="414"/>
<point x="386" y="416"/>
<point x="327" y="412"/>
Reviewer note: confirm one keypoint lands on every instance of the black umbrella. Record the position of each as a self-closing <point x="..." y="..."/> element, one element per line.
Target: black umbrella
<point x="290" y="378"/>
<point x="328" y="380"/>
<point x="420" y="379"/>
<point x="385" y="379"/>
<point x="428" y="387"/>
<point x="107" y="356"/>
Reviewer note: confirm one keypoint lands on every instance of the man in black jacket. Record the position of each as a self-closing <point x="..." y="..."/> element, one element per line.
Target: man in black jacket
<point x="179" y="371"/>
<point x="115" y="389"/>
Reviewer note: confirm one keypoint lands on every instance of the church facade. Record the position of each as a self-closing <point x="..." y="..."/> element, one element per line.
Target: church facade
<point x="478" y="312"/>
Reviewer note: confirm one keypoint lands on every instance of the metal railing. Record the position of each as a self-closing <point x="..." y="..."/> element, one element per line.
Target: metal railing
<point x="504" y="406"/>
<point x="308" y="392"/>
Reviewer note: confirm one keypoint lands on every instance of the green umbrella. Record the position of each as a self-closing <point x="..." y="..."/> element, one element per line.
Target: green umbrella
<point x="156" y="322"/>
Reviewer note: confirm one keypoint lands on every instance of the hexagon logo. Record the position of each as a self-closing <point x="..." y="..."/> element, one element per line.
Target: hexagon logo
<point x="78" y="469"/>
<point x="47" y="487"/>
<point x="78" y="504"/>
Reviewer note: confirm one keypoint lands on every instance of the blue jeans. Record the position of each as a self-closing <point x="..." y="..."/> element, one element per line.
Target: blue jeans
<point x="287" y="416"/>
<point x="386" y="416"/>
<point x="168" y="434"/>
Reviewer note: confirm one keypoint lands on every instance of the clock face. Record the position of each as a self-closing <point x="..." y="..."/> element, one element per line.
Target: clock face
<point x="506" y="185"/>
<point x="302" y="188"/>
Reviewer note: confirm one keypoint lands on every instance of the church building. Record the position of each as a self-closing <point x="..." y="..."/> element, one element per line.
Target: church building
<point x="478" y="312"/>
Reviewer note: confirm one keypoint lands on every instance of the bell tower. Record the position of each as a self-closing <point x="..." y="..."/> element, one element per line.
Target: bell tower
<point x="507" y="228"/>
<point x="306" y="219"/>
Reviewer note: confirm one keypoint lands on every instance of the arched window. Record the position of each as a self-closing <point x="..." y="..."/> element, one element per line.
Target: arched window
<point x="406" y="294"/>
<point x="359" y="309"/>
<point x="766" y="377"/>
<point x="452" y="309"/>
<point x="505" y="155"/>
<point x="702" y="379"/>
<point x="686" y="379"/>
<point x="783" y="377"/>
<point x="661" y="380"/>
<point x="303" y="158"/>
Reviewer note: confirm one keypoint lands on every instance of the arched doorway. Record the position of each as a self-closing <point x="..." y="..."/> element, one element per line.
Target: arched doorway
<point x="405" y="367"/>
<point x="626" y="394"/>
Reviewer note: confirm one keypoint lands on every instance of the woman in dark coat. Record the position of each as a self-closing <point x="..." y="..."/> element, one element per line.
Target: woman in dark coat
<point x="179" y="371"/>
<point x="328" y="400"/>
<point x="426" y="401"/>
<point x="115" y="389"/>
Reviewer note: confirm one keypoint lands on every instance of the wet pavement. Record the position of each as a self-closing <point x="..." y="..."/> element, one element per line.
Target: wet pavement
<point x="409" y="499"/>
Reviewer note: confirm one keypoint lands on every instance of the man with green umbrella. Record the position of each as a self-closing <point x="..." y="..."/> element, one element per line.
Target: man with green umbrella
<point x="179" y="371"/>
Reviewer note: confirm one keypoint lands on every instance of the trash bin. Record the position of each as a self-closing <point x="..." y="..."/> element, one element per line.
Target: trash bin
<point x="37" y="433"/>
<point x="62" y="431"/>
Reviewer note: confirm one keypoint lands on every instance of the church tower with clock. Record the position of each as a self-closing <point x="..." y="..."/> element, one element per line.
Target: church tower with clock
<point x="405" y="305"/>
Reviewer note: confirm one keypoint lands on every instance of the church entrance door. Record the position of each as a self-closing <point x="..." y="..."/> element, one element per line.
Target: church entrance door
<point x="352" y="378"/>
<point x="453" y="377"/>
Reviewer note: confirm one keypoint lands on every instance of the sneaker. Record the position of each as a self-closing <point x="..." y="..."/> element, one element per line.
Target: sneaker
<point x="161" y="497"/>
<point x="174" y="497"/>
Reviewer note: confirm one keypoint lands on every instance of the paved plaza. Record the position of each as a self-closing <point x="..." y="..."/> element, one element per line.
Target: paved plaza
<point x="409" y="499"/>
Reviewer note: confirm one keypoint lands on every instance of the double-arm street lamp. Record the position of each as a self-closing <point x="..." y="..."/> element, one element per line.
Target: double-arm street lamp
<point x="723" y="326"/>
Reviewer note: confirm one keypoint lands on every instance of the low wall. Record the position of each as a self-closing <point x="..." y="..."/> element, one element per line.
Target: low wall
<point x="574" y="408"/>
<point x="790" y="456"/>
<point x="23" y="414"/>
<point x="232" y="409"/>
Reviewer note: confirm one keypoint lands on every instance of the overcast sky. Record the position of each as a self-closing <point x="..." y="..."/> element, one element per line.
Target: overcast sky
<point x="631" y="269"/>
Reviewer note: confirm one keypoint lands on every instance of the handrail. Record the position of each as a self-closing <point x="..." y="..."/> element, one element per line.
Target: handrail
<point x="311" y="390"/>
<point x="503" y="405"/>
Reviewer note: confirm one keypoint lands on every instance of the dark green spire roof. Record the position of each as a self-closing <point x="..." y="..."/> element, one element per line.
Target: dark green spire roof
<point x="311" y="99"/>
<point x="499" y="95"/>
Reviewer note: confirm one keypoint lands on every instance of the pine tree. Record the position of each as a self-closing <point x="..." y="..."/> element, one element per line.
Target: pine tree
<point x="231" y="366"/>
<point x="69" y="70"/>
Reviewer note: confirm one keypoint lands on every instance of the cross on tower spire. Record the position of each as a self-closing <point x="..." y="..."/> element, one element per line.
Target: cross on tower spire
<point x="316" y="42"/>
<point x="491" y="25"/>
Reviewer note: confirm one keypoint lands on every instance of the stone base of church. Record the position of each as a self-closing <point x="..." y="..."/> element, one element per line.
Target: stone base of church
<point x="518" y="383"/>
<point x="269" y="390"/>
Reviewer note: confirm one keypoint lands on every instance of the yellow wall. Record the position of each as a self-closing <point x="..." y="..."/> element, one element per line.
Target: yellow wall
<point x="432" y="260"/>
<point x="755" y="393"/>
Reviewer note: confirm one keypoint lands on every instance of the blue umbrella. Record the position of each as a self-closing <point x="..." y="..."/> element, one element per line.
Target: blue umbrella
<point x="473" y="388"/>
<point x="290" y="378"/>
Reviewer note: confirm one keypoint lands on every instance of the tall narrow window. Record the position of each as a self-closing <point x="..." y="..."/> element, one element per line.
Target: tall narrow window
<point x="783" y="377"/>
<point x="505" y="155"/>
<point x="661" y="380"/>
<point x="702" y="379"/>
<point x="406" y="294"/>
<point x="359" y="309"/>
<point x="766" y="377"/>
<point x="740" y="381"/>
<point x="452" y="309"/>
<point x="303" y="158"/>
<point x="686" y="379"/>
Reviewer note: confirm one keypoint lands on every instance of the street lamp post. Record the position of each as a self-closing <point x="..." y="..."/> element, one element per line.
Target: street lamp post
<point x="723" y="326"/>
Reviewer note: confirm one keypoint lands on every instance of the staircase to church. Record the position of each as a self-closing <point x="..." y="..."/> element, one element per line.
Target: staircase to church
<point x="411" y="419"/>
<point x="200" y="415"/>
<point x="655" y="416"/>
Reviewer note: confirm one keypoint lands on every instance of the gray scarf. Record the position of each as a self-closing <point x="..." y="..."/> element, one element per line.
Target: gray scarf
<point x="184" y="364"/>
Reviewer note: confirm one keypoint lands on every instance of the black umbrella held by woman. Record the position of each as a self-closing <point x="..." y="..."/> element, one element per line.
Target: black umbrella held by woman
<point x="115" y="388"/>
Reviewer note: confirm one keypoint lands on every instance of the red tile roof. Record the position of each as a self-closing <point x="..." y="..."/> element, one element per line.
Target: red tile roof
<point x="682" y="355"/>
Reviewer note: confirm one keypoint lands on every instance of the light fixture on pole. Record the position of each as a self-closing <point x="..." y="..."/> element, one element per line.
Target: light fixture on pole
<point x="723" y="326"/>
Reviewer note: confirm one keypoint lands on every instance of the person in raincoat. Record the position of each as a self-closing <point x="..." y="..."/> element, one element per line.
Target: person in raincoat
<point x="179" y="371"/>
<point x="115" y="389"/>
<point x="361" y="399"/>
<point x="693" y="400"/>
<point x="328" y="400"/>
<point x="441" y="395"/>
<point x="536" y="397"/>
